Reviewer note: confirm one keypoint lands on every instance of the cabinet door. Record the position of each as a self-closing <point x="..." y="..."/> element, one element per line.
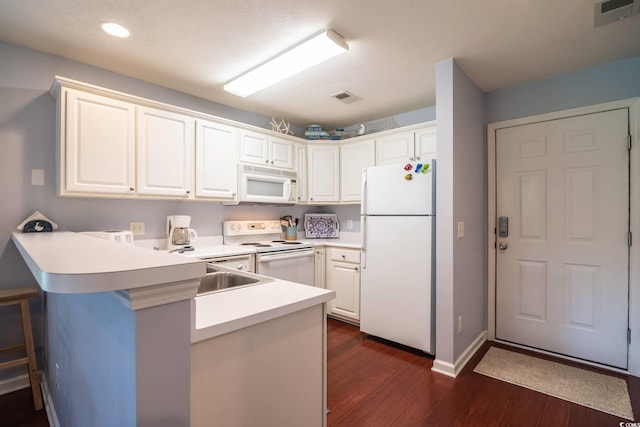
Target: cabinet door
<point x="344" y="279"/>
<point x="301" y="163"/>
<point x="165" y="145"/>
<point x="324" y="175"/>
<point x="216" y="161"/>
<point x="320" y="268"/>
<point x="396" y="148"/>
<point x="98" y="143"/>
<point x="426" y="143"/>
<point x="280" y="153"/>
<point x="353" y="158"/>
<point x="254" y="147"/>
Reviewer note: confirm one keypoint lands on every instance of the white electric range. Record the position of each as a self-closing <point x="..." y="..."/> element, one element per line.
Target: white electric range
<point x="276" y="257"/>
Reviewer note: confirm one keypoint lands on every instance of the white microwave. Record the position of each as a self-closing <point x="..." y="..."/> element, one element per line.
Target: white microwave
<point x="259" y="184"/>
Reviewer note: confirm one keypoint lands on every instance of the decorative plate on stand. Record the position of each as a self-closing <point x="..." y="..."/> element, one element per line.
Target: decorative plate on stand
<point x="321" y="226"/>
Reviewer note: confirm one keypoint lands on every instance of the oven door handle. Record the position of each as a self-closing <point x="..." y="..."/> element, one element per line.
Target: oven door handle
<point x="286" y="255"/>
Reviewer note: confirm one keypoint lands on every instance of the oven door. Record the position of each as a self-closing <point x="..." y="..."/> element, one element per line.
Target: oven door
<point x="295" y="265"/>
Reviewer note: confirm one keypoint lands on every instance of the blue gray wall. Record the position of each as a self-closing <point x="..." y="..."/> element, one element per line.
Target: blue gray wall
<point x="461" y="284"/>
<point x="595" y="85"/>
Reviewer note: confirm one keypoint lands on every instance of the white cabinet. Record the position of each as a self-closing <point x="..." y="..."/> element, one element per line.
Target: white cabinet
<point x="323" y="183"/>
<point x="164" y="153"/>
<point x="216" y="161"/>
<point x="261" y="149"/>
<point x="409" y="146"/>
<point x="301" y="169"/>
<point x="320" y="268"/>
<point x="425" y="142"/>
<point x="97" y="147"/>
<point x="343" y="277"/>
<point x="353" y="158"/>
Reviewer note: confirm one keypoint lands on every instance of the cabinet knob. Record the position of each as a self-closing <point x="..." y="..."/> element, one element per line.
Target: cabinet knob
<point x="266" y="161"/>
<point x="233" y="194"/>
<point x="411" y="158"/>
<point x="417" y="157"/>
<point x="131" y="188"/>
<point x="188" y="191"/>
<point x="271" y="161"/>
<point x="344" y="257"/>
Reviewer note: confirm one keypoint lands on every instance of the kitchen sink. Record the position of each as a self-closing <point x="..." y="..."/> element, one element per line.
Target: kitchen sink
<point x="217" y="280"/>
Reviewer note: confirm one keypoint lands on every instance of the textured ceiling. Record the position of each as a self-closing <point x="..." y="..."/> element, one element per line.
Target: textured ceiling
<point x="196" y="46"/>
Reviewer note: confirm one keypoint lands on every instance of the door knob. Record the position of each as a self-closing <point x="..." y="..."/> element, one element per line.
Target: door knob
<point x="503" y="245"/>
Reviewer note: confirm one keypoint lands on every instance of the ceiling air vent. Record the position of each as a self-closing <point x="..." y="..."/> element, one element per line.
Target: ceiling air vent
<point x="608" y="11"/>
<point x="346" y="97"/>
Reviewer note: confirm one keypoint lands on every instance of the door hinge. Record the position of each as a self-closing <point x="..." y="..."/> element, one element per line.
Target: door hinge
<point x="630" y="238"/>
<point x="629" y="142"/>
<point x="629" y="336"/>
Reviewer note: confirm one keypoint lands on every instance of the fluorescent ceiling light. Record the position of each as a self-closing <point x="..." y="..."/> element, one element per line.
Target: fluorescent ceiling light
<point x="115" y="30"/>
<point x="305" y="55"/>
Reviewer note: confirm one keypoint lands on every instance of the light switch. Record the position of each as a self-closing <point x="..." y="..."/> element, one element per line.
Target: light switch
<point x="37" y="177"/>
<point x="460" y="229"/>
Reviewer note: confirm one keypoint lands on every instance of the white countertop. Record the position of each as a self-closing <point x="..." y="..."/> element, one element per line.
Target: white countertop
<point x="219" y="313"/>
<point x="67" y="262"/>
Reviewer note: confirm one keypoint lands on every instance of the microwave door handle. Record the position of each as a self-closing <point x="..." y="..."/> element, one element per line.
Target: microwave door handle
<point x="287" y="189"/>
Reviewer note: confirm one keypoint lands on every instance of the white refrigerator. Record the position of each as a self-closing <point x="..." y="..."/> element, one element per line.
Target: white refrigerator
<point x="397" y="279"/>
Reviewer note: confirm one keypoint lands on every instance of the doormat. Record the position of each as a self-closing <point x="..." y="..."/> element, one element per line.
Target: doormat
<point x="591" y="389"/>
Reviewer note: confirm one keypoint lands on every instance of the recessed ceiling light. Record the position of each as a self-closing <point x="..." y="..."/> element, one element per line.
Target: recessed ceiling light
<point x="115" y="30"/>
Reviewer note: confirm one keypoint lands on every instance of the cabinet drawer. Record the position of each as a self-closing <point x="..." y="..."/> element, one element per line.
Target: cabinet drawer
<point x="346" y="255"/>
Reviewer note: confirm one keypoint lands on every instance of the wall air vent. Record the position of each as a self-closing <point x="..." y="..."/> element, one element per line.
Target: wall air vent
<point x="607" y="11"/>
<point x="347" y="97"/>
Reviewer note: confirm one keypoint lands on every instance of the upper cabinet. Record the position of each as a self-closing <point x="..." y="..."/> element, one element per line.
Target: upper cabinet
<point x="301" y="162"/>
<point x="164" y="155"/>
<point x="354" y="156"/>
<point x="112" y="144"/>
<point x="409" y="146"/>
<point x="262" y="149"/>
<point x="98" y="155"/>
<point x="323" y="184"/>
<point x="216" y="160"/>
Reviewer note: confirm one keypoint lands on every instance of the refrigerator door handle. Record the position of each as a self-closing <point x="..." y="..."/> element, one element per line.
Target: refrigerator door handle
<point x="363" y="245"/>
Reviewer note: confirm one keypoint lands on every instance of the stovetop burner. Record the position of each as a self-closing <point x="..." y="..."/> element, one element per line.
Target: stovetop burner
<point x="264" y="235"/>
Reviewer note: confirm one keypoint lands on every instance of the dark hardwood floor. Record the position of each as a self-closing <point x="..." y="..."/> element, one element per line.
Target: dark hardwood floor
<point x="375" y="383"/>
<point x="17" y="410"/>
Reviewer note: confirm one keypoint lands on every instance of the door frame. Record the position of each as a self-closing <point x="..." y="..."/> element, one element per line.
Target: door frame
<point x="634" y="256"/>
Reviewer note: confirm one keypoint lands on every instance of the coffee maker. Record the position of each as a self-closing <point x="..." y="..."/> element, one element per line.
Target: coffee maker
<point x="179" y="235"/>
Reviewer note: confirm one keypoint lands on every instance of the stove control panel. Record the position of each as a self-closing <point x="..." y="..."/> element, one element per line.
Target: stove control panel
<point x="251" y="228"/>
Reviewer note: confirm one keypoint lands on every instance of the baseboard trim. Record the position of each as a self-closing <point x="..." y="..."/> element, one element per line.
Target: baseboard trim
<point x="453" y="370"/>
<point x="14" y="384"/>
<point x="52" y="416"/>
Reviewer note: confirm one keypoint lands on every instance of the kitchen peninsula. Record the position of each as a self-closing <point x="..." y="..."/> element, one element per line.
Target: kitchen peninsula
<point x="128" y="343"/>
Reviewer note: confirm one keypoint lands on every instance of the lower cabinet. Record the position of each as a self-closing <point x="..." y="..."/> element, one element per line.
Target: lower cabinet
<point x="343" y="277"/>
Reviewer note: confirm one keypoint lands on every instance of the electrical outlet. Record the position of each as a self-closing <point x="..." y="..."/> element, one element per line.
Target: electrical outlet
<point x="37" y="177"/>
<point x="459" y="324"/>
<point x="349" y="224"/>
<point x="137" y="228"/>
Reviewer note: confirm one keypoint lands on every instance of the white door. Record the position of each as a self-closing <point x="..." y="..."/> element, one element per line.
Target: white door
<point x="99" y="144"/>
<point x="396" y="288"/>
<point x="281" y="153"/>
<point x="253" y="147"/>
<point x="165" y="146"/>
<point x="397" y="148"/>
<point x="324" y="175"/>
<point x="562" y="272"/>
<point x="216" y="160"/>
<point x="353" y="158"/>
